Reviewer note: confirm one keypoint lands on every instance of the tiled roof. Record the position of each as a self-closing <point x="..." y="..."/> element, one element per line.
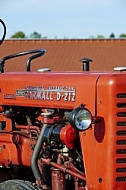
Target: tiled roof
<point x="64" y="55"/>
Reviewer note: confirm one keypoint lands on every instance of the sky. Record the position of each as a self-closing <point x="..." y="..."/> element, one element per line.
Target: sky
<point x="71" y="19"/>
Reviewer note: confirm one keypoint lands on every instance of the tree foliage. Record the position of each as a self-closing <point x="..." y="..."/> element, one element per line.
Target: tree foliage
<point x="122" y="36"/>
<point x="35" y="35"/>
<point x="18" y="34"/>
<point x="112" y="35"/>
<point x="100" y="37"/>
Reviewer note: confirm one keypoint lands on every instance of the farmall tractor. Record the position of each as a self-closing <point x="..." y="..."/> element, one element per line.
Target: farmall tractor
<point x="62" y="130"/>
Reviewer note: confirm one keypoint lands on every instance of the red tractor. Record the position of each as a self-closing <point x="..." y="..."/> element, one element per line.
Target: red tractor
<point x="62" y="130"/>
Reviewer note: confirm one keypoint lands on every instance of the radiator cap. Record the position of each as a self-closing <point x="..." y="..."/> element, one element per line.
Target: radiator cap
<point x="120" y="69"/>
<point x="44" y="70"/>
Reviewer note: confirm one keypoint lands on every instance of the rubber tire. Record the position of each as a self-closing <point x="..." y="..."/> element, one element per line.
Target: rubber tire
<point x="17" y="185"/>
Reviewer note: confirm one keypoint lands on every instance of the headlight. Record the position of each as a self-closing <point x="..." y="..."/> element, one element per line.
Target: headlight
<point x="80" y="118"/>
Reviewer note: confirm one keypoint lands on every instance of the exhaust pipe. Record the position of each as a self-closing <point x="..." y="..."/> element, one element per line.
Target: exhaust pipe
<point x="85" y="62"/>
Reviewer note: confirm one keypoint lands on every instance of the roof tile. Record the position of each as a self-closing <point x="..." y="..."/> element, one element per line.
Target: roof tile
<point x="64" y="55"/>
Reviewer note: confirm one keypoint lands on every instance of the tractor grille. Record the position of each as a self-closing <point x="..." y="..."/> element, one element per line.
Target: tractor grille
<point x="121" y="136"/>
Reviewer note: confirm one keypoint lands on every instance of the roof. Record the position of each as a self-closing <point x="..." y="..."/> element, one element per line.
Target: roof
<point x="64" y="55"/>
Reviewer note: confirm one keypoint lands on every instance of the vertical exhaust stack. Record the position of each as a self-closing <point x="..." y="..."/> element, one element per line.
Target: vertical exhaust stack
<point x="86" y="62"/>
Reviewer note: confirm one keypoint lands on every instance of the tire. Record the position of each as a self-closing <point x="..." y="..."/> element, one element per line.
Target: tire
<point x="17" y="185"/>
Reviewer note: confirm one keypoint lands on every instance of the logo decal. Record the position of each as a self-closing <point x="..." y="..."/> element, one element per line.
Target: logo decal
<point x="49" y="93"/>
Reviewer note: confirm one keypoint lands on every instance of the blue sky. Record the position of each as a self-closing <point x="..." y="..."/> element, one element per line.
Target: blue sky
<point x="64" y="18"/>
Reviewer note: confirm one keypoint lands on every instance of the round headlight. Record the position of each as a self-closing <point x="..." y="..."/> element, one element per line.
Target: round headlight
<point x="80" y="118"/>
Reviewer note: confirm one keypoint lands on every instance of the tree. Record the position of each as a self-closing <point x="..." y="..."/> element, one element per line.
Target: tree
<point x="100" y="37"/>
<point x="18" y="34"/>
<point x="122" y="36"/>
<point x="112" y="35"/>
<point x="35" y="35"/>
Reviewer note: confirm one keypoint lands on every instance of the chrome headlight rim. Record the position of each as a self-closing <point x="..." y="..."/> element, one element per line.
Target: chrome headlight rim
<point x="80" y="118"/>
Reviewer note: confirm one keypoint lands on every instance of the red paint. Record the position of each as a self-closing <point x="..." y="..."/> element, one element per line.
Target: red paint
<point x="68" y="136"/>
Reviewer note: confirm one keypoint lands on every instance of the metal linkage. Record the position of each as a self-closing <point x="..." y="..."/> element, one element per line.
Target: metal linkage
<point x="38" y="53"/>
<point x="4" y="34"/>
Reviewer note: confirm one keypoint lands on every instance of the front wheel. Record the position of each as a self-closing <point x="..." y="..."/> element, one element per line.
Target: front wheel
<point x="17" y="185"/>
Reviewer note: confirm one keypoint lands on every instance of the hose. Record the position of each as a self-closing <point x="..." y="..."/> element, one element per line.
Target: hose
<point x="34" y="160"/>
